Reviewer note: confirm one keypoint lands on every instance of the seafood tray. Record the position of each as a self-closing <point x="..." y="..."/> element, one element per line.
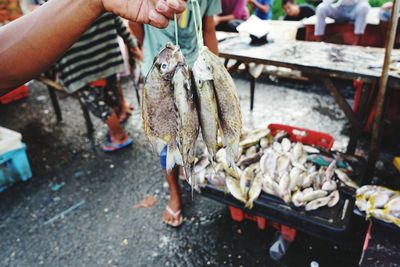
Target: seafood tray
<point x="388" y="226"/>
<point x="328" y="223"/>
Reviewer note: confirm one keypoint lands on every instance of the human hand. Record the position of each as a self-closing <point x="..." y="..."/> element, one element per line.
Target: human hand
<point x="153" y="12"/>
<point x="217" y="20"/>
<point x="137" y="53"/>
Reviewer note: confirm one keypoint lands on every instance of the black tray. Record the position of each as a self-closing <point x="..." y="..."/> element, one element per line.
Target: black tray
<point x="332" y="224"/>
<point x="388" y="226"/>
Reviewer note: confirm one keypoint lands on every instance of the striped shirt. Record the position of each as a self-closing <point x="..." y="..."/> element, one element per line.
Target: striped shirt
<point x="96" y="55"/>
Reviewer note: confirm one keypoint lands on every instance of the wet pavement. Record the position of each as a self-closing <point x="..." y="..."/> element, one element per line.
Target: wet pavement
<point x="104" y="229"/>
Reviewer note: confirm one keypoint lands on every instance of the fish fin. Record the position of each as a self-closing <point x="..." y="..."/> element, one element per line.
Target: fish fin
<point x="173" y="156"/>
<point x="249" y="204"/>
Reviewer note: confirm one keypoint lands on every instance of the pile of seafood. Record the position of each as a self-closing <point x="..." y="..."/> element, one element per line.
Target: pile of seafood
<point x="298" y="174"/>
<point x="379" y="202"/>
<point x="175" y="107"/>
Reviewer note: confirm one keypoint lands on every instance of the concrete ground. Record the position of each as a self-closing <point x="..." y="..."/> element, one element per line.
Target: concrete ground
<point x="105" y="229"/>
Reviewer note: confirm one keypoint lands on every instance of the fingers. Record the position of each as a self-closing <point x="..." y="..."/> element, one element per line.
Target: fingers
<point x="168" y="8"/>
<point x="157" y="20"/>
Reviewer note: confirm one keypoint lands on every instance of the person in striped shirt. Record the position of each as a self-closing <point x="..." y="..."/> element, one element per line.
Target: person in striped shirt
<point x="90" y="67"/>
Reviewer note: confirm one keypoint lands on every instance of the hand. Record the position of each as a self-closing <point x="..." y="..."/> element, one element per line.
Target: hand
<point x="153" y="12"/>
<point x="137" y="53"/>
<point x="217" y="20"/>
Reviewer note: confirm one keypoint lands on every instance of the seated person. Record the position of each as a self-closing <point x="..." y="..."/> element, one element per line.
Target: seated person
<point x="263" y="8"/>
<point x="295" y="12"/>
<point x="345" y="10"/>
<point x="234" y="12"/>
<point x="90" y="67"/>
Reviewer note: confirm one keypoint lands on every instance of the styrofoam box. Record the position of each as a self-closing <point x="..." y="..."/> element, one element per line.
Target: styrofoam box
<point x="9" y="140"/>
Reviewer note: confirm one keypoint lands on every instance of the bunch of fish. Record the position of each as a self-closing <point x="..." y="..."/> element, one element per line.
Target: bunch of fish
<point x="278" y="167"/>
<point x="174" y="110"/>
<point x="379" y="202"/>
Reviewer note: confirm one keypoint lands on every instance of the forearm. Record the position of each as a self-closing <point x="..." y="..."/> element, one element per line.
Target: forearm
<point x="210" y="38"/>
<point x="263" y="8"/>
<point x="32" y="43"/>
<point x="226" y="18"/>
<point x="137" y="29"/>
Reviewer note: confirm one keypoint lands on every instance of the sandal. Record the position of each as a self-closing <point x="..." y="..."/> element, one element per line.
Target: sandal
<point x="111" y="147"/>
<point x="177" y="215"/>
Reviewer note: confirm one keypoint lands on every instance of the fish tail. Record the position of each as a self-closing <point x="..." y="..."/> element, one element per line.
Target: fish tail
<point x="249" y="204"/>
<point x="173" y="156"/>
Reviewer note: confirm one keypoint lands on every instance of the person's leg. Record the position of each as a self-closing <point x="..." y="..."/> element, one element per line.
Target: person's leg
<point x="320" y="24"/>
<point x="125" y="109"/>
<point x="324" y="11"/>
<point x="360" y="20"/>
<point x="172" y="214"/>
<point x="112" y="99"/>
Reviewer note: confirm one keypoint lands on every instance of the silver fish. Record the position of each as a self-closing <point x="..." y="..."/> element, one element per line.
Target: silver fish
<point x="207" y="103"/>
<point x="187" y="114"/>
<point x="229" y="112"/>
<point x="158" y="109"/>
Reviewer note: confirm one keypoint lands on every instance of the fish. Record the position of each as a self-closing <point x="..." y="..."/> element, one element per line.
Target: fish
<point x="254" y="192"/>
<point x="295" y="198"/>
<point x="268" y="162"/>
<point x="187" y="113"/>
<point x="234" y="188"/>
<point x="308" y="180"/>
<point x="346" y="179"/>
<point x="206" y="102"/>
<point x="329" y="186"/>
<point x="317" y="203"/>
<point x="159" y="114"/>
<point x="311" y="150"/>
<point x="246" y="179"/>
<point x="334" y="198"/>
<point x="255" y="137"/>
<point x="330" y="171"/>
<point x="284" y="184"/>
<point x="271" y="187"/>
<point x="229" y="111"/>
<point x="286" y="144"/>
<point x="315" y="194"/>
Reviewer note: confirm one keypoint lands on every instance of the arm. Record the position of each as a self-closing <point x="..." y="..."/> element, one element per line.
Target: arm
<point x="39" y="43"/>
<point x="210" y="38"/>
<point x="137" y="30"/>
<point x="263" y="8"/>
<point x="219" y="19"/>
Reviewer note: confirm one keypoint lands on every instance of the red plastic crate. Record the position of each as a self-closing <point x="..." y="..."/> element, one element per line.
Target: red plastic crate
<point x="14" y="95"/>
<point x="305" y="136"/>
<point x="239" y="215"/>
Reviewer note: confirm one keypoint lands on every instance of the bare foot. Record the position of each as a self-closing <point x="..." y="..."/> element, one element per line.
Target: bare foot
<point x="172" y="214"/>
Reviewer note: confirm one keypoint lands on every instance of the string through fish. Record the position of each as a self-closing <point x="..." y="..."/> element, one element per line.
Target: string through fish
<point x="197" y="22"/>
<point x="176" y="30"/>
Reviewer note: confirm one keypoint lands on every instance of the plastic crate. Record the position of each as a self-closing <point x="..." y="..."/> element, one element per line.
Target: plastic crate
<point x="9" y="140"/>
<point x="305" y="136"/>
<point x="14" y="166"/>
<point x="14" y="95"/>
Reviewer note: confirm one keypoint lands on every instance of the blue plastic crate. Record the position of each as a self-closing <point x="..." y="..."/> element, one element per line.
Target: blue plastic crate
<point x="14" y="166"/>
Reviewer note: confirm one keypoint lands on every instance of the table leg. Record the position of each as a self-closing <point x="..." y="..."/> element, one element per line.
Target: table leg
<point x="356" y="126"/>
<point x="252" y="89"/>
<point x="88" y="120"/>
<point x="54" y="102"/>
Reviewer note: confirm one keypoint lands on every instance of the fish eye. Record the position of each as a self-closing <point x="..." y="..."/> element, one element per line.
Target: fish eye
<point x="164" y="66"/>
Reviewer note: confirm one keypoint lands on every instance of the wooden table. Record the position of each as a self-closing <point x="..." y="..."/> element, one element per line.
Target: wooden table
<point x="320" y="62"/>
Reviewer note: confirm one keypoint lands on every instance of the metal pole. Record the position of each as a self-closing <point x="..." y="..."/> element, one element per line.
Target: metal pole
<point x="382" y="93"/>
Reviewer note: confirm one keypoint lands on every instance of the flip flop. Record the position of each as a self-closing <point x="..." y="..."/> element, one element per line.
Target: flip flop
<point x="111" y="147"/>
<point x="177" y="215"/>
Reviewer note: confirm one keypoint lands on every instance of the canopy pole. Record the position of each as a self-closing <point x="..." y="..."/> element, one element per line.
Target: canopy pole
<point x="382" y="93"/>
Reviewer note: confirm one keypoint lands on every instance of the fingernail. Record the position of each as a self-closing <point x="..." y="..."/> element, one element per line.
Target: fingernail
<point x="153" y="15"/>
<point x="173" y="3"/>
<point x="162" y="7"/>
